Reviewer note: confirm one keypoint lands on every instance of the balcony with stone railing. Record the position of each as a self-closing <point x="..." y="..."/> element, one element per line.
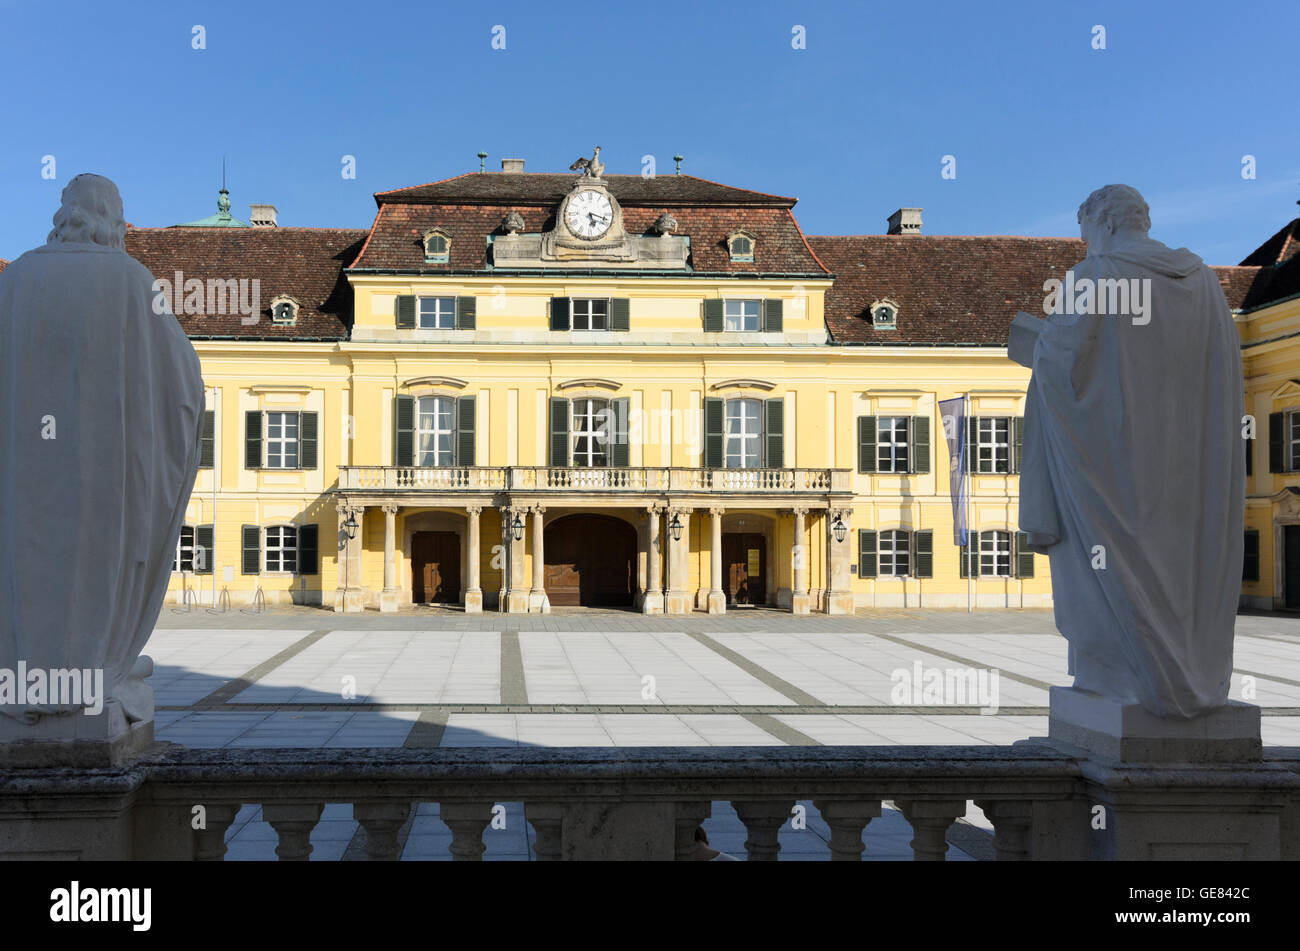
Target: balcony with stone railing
<point x="645" y="803"/>
<point x="605" y="479"/>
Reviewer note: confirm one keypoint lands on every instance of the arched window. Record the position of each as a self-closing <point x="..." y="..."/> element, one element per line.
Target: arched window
<point x="435" y="430"/>
<point x="740" y="246"/>
<point x="884" y="315"/>
<point x="284" y="310"/>
<point x="437" y="247"/>
<point x="591" y="432"/>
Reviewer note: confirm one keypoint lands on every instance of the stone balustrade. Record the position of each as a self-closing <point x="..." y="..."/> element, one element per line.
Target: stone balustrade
<point x="595" y="479"/>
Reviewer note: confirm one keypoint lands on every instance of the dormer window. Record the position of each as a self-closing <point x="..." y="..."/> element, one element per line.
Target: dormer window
<point x="437" y="247"/>
<point x="284" y="311"/>
<point x="740" y="246"/>
<point x="884" y="315"/>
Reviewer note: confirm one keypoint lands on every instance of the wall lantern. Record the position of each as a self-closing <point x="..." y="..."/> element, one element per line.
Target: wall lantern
<point x="839" y="529"/>
<point x="350" y="526"/>
<point x="675" y="528"/>
<point x="517" y="526"/>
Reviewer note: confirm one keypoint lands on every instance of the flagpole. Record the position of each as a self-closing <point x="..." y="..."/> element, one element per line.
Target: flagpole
<point x="972" y="564"/>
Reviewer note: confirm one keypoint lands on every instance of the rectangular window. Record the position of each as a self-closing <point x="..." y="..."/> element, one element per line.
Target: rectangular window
<point x="591" y="425"/>
<point x="743" y="434"/>
<point x="894" y="553"/>
<point x="995" y="554"/>
<point x="1293" y="439"/>
<point x="1250" y="560"/>
<point x="741" y="315"/>
<point x="438" y="313"/>
<point x="435" y="430"/>
<point x="590" y="313"/>
<point x="891" y="444"/>
<point x="282" y="548"/>
<point x="993" y="444"/>
<point x="184" y="560"/>
<point x="282" y="440"/>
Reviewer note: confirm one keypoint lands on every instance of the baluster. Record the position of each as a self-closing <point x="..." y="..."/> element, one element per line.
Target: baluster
<point x="690" y="816"/>
<point x="930" y="821"/>
<point x="847" y="819"/>
<point x="467" y="820"/>
<point x="293" y="822"/>
<point x="382" y="821"/>
<point x="211" y="839"/>
<point x="1012" y="821"/>
<point x="547" y="820"/>
<point x="763" y="821"/>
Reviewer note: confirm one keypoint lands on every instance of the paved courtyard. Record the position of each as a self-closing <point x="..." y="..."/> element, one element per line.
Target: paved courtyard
<point x="302" y="677"/>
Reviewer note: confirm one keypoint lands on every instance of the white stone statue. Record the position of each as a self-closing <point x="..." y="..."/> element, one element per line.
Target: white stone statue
<point x="101" y="400"/>
<point x="1133" y="474"/>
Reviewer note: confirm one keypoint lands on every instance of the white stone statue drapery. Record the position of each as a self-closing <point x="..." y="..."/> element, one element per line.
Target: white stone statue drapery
<point x="1133" y="474"/>
<point x="102" y="403"/>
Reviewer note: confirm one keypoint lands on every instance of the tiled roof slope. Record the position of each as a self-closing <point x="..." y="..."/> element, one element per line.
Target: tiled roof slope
<point x="3" y="264"/>
<point x="958" y="290"/>
<point x="396" y="239"/>
<point x="546" y="188"/>
<point x="1278" y="249"/>
<point x="304" y="263"/>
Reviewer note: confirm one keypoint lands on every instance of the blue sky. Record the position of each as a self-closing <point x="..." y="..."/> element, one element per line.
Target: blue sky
<point x="855" y="125"/>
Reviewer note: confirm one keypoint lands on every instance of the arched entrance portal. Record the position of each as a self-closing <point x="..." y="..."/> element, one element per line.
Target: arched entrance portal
<point x="590" y="561"/>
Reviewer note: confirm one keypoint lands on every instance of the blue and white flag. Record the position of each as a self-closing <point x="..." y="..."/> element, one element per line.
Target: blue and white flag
<point x="953" y="414"/>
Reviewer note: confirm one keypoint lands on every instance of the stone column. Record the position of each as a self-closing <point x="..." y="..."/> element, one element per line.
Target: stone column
<point x="679" y="598"/>
<point x="839" y="555"/>
<point x="390" y="596"/>
<point x="799" y="600"/>
<point x="473" y="590"/>
<point x="653" y="601"/>
<point x="350" y="595"/>
<point x="518" y="590"/>
<point x="717" y="598"/>
<point x="538" y="603"/>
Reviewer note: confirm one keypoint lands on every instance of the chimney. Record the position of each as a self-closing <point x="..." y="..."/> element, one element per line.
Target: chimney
<point x="905" y="221"/>
<point x="262" y="216"/>
<point x="512" y="165"/>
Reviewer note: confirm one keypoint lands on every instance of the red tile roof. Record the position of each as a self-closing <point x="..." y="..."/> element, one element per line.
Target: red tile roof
<point x="1278" y="249"/>
<point x="304" y="263"/>
<point x="3" y="264"/>
<point x="395" y="242"/>
<point x="547" y="188"/>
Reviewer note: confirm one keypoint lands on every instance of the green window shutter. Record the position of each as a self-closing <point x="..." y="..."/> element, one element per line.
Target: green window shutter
<point x="307" y="441"/>
<point x="466" y="313"/>
<point x="203" y="550"/>
<point x="1017" y="440"/>
<point x="713" y="316"/>
<point x="619" y="313"/>
<point x="406" y="312"/>
<point x="404" y="431"/>
<point x="1250" y="558"/>
<point x="773" y="315"/>
<point x="253" y="439"/>
<point x="1276" y="443"/>
<point x="970" y="554"/>
<point x="919" y="451"/>
<point x="1024" y="558"/>
<point x="308" y="549"/>
<point x="252" y="548"/>
<point x="466" y="418"/>
<point x="923" y="552"/>
<point x="207" y="442"/>
<point x="559" y="431"/>
<point x="972" y="457"/>
<point x="714" y="413"/>
<point x="866" y="444"/>
<point x="620" y="450"/>
<point x="560" y="313"/>
<point x="866" y="553"/>
<point x="774" y="433"/>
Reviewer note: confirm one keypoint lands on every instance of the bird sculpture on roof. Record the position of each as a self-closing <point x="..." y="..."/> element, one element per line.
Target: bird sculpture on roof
<point x="589" y="166"/>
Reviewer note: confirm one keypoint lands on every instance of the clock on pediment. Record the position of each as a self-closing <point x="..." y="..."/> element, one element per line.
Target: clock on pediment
<point x="589" y="217"/>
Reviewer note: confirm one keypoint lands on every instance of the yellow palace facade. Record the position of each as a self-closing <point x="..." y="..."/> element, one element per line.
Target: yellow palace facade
<point x="518" y="390"/>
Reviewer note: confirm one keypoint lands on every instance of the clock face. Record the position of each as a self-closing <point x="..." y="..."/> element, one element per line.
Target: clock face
<point x="589" y="214"/>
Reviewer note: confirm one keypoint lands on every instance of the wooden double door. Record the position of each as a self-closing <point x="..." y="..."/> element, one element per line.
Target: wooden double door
<point x="435" y="568"/>
<point x="590" y="561"/>
<point x="744" y="568"/>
